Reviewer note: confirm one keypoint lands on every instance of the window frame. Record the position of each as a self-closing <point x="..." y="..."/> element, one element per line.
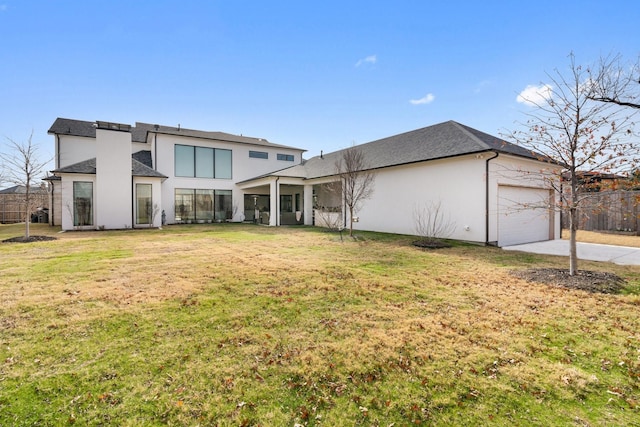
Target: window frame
<point x="259" y="154"/>
<point x="87" y="215"/>
<point x="285" y="157"/>
<point x="187" y="164"/>
<point x="181" y="168"/>
<point x="148" y="210"/>
<point x="201" y="205"/>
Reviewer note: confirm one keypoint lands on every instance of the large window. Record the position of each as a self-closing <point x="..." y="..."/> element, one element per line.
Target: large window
<point x="185" y="165"/>
<point x="82" y="203"/>
<point x="144" y="205"/>
<point x="223" y="164"/>
<point x="203" y="205"/>
<point x="202" y="162"/>
<point x="224" y="208"/>
<point x="184" y="204"/>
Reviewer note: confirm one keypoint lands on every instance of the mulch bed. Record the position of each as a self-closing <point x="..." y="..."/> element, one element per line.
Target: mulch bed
<point x="30" y="239"/>
<point x="430" y="244"/>
<point x="590" y="281"/>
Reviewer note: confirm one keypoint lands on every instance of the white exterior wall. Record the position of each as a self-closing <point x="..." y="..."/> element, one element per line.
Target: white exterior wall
<point x="242" y="167"/>
<point x="519" y="172"/>
<point x="139" y="146"/>
<point x="66" y="191"/>
<point x="74" y="149"/>
<point x="457" y="183"/>
<point x="113" y="202"/>
<point x="460" y="186"/>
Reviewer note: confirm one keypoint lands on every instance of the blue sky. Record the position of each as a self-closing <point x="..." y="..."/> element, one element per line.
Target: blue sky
<point x="315" y="75"/>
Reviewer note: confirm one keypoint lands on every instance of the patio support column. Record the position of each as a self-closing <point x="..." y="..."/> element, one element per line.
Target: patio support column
<point x="274" y="205"/>
<point x="308" y="205"/>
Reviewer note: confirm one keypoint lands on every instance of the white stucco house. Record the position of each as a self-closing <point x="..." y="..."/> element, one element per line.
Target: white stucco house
<point x="115" y="176"/>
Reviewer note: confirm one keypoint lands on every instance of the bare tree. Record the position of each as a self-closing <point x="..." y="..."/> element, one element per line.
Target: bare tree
<point x="356" y="181"/>
<point x="616" y="82"/>
<point x="23" y="167"/>
<point x="571" y="129"/>
<point x="431" y="223"/>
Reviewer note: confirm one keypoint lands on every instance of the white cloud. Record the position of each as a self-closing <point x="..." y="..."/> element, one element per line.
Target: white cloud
<point x="3" y="7"/>
<point x="535" y="95"/>
<point x="427" y="99"/>
<point x="371" y="59"/>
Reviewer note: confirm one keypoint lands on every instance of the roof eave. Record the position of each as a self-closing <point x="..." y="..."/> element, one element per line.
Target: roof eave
<point x="256" y="144"/>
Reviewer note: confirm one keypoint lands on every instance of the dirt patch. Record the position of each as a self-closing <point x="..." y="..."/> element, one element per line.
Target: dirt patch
<point x="29" y="239"/>
<point x="591" y="281"/>
<point x="430" y="244"/>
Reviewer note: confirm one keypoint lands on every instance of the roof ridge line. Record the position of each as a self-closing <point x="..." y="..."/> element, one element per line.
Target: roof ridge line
<point x="474" y="137"/>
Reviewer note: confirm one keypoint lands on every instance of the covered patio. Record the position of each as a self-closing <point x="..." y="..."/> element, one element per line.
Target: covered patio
<point x="276" y="201"/>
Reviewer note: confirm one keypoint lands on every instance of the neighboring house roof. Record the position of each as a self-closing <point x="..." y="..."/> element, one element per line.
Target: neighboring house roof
<point x="89" y="167"/>
<point x="139" y="132"/>
<point x="444" y="140"/>
<point x="21" y="189"/>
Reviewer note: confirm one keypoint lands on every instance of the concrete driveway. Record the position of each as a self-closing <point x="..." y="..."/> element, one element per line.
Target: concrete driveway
<point x="622" y="255"/>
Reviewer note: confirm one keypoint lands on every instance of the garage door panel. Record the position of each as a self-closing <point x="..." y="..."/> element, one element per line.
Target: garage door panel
<point x="523" y="215"/>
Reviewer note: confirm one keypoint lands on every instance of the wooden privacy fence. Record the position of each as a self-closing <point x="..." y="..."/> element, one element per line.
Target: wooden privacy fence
<point x="608" y="211"/>
<point x="12" y="206"/>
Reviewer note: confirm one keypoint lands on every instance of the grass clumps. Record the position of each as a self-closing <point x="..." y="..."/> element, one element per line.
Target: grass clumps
<point x="204" y="325"/>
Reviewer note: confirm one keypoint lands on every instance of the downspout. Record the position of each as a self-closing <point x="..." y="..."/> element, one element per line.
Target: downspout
<point x="52" y="205"/>
<point x="155" y="151"/>
<point x="486" y="211"/>
<point x="133" y="204"/>
<point x="57" y="151"/>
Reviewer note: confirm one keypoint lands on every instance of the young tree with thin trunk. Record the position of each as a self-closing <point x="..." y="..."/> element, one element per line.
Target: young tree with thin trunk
<point x="23" y="167"/>
<point x="583" y="135"/>
<point x="356" y="181"/>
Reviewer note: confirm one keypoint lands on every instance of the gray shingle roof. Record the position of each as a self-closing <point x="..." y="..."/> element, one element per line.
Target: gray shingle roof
<point x="140" y="169"/>
<point x="219" y="136"/>
<point x="21" y="189"/>
<point x="144" y="157"/>
<point x="85" y="166"/>
<point x="89" y="167"/>
<point x="139" y="132"/>
<point x="73" y="127"/>
<point x="448" y="139"/>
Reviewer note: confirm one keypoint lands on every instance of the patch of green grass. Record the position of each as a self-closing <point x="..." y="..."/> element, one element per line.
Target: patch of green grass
<point x="228" y="324"/>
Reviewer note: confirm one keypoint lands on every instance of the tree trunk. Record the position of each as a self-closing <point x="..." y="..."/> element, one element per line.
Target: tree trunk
<point x="27" y="214"/>
<point x="573" y="247"/>
<point x="350" y="221"/>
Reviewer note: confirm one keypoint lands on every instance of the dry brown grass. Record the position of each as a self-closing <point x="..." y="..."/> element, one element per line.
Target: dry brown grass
<point x="240" y="325"/>
<point x="616" y="239"/>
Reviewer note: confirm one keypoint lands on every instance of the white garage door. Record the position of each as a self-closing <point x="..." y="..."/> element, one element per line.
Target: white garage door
<point x="523" y="215"/>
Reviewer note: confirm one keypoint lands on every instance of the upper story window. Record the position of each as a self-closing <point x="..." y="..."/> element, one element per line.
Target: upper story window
<point x="259" y="154"/>
<point x="202" y="162"/>
<point x="286" y="157"/>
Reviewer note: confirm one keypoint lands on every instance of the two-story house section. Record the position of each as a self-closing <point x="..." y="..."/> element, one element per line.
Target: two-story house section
<point x="114" y="176"/>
